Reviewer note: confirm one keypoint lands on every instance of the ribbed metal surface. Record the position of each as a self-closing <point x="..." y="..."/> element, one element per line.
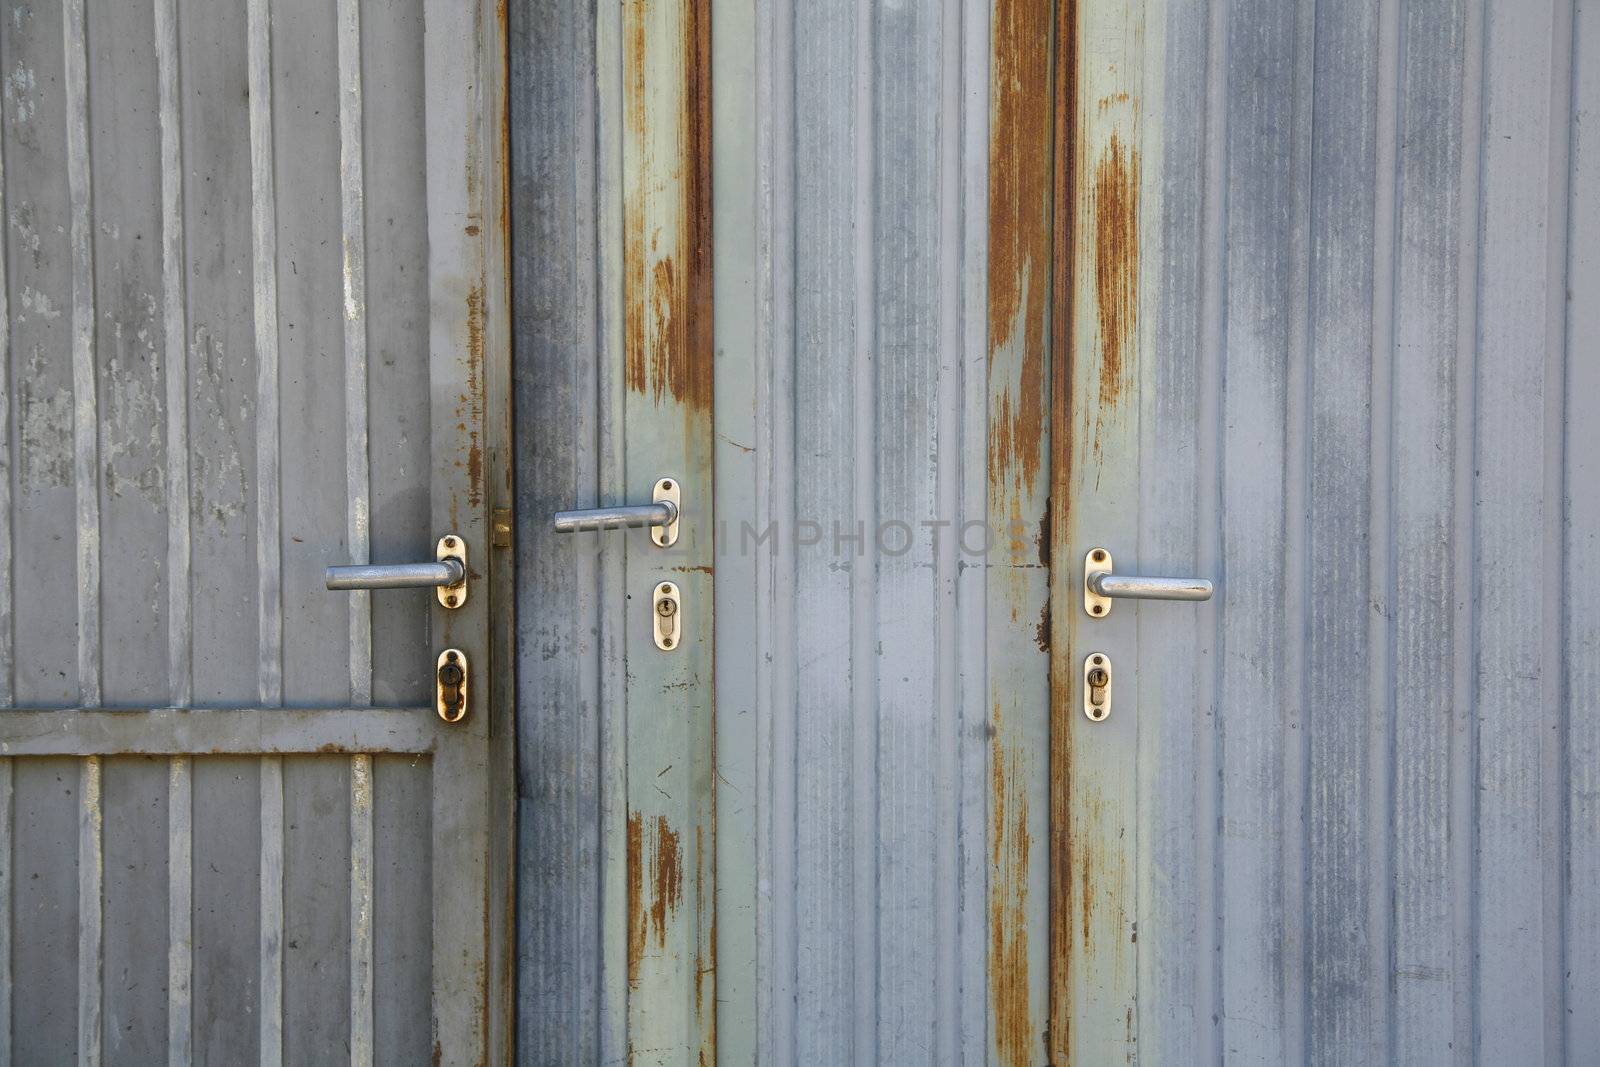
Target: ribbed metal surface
<point x="199" y="414"/>
<point x="1361" y="796"/>
<point x="1368" y="837"/>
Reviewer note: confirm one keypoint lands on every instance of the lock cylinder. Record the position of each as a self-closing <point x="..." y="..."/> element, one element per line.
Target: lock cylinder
<point x="450" y="685"/>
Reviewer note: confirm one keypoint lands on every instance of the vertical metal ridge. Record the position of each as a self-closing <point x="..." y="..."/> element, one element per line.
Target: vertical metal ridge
<point x="180" y="900"/>
<point x="91" y="876"/>
<point x="1553" y="760"/>
<point x="948" y="440"/>
<point x="264" y="244"/>
<point x="972" y="717"/>
<point x="270" y="987"/>
<point x="1293" y="826"/>
<point x="1515" y="760"/>
<point x="85" y="406"/>
<point x="180" y="627"/>
<point x="782" y="489"/>
<point x="361" y="896"/>
<point x="1581" y="584"/>
<point x="1464" y="828"/>
<point x="357" y="479"/>
<point x="7" y="625"/>
<point x="609" y="184"/>
<point x="1210" y="463"/>
<point x="770" y="958"/>
<point x="7" y="903"/>
<point x="1381" y="632"/>
<point x="863" y="572"/>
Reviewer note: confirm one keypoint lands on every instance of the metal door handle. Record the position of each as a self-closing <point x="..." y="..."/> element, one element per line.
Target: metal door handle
<point x="447" y="574"/>
<point x="661" y="515"/>
<point x="1101" y="585"/>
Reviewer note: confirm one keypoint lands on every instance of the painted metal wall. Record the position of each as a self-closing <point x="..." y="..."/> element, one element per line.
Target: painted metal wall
<point x="1361" y="818"/>
<point x="200" y="412"/>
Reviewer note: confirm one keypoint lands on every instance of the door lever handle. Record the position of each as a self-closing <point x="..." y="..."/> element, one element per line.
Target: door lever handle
<point x="661" y="515"/>
<point x="1101" y="585"/>
<point x="447" y="574"/>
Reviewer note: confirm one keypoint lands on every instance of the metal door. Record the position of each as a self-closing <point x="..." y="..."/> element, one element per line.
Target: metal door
<point x="254" y="292"/>
<point x="1327" y="341"/>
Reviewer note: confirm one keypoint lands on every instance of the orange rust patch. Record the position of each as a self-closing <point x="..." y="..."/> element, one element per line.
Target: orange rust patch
<point x="1008" y="920"/>
<point x="1116" y="264"/>
<point x="667" y="316"/>
<point x="655" y="885"/>
<point x="1019" y="232"/>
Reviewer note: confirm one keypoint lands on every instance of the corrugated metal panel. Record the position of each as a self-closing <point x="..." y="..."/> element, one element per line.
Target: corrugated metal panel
<point x="199" y="201"/>
<point x="1354" y="810"/>
<point x="1365" y="266"/>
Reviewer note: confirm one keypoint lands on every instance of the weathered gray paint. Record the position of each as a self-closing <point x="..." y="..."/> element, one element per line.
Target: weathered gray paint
<point x="1363" y="825"/>
<point x="226" y="807"/>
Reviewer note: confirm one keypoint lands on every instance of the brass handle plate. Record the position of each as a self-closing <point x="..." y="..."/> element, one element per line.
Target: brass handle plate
<point x="667" y="612"/>
<point x="452" y="546"/>
<point x="1097" y="686"/>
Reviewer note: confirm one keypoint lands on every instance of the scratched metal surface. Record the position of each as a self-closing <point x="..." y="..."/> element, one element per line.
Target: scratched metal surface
<point x="216" y="286"/>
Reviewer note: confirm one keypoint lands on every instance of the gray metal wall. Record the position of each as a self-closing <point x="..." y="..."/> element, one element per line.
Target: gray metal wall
<point x="1368" y="826"/>
<point x="1376" y="367"/>
<point x="185" y="293"/>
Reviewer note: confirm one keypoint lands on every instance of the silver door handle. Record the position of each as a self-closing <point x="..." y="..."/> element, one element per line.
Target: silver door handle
<point x="447" y="574"/>
<point x="661" y="515"/>
<point x="1101" y="585"/>
<point x="395" y="575"/>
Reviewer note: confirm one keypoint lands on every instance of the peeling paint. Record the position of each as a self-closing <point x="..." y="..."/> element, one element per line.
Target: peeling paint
<point x="25" y="232"/>
<point x="45" y="427"/>
<point x="133" y="431"/>
<point x="217" y="483"/>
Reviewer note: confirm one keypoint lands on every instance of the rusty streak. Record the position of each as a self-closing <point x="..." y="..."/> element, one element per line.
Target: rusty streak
<point x="1061" y="481"/>
<point x="655" y="885"/>
<point x="667" y="317"/>
<point x="1008" y="922"/>
<point x="1116" y="265"/>
<point x="1019" y="232"/>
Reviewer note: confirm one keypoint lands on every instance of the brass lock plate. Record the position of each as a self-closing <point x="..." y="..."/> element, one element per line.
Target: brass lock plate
<point x="667" y="611"/>
<point x="1097" y="686"/>
<point x="452" y="546"/>
<point x="452" y="685"/>
<point x="667" y="489"/>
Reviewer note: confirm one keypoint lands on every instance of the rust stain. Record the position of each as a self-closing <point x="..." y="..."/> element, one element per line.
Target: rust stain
<point x="1008" y="899"/>
<point x="1116" y="264"/>
<point x="1058" y="518"/>
<point x="1042" y="631"/>
<point x="1019" y="232"/>
<point x="475" y="398"/>
<point x="655" y="885"/>
<point x="667" y="315"/>
<point x="636" y="925"/>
